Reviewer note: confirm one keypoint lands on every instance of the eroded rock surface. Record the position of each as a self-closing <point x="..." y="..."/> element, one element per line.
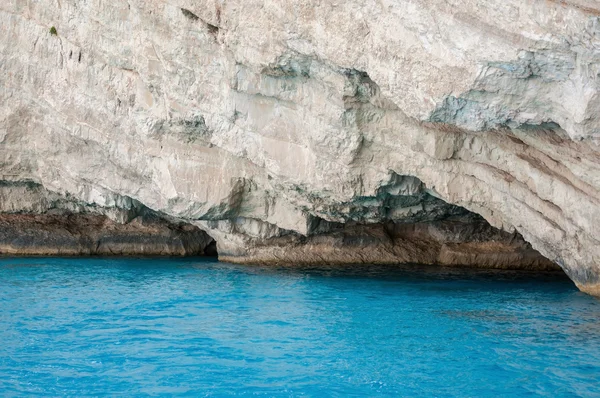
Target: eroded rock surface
<point x="37" y="222"/>
<point x="266" y="122"/>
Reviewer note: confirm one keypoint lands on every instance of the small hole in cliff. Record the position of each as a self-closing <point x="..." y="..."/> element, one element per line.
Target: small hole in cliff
<point x="212" y="29"/>
<point x="211" y="249"/>
<point x="190" y="14"/>
<point x="79" y="59"/>
<point x="70" y="54"/>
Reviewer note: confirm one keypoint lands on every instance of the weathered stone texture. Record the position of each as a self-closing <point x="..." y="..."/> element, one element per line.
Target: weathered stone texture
<point x="257" y="120"/>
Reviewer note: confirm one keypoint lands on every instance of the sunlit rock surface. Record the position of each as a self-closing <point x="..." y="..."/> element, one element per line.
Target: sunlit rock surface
<point x="323" y="124"/>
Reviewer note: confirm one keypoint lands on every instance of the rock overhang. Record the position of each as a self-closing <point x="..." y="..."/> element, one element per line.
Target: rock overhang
<point x="279" y="117"/>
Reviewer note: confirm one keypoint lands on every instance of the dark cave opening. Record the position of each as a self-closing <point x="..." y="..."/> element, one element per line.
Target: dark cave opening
<point x="211" y="249"/>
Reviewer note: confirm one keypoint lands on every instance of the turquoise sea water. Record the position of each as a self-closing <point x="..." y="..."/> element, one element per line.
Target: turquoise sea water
<point x="142" y="327"/>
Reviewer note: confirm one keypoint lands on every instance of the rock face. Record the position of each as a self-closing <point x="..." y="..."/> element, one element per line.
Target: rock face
<point x="37" y="222"/>
<point x="316" y="130"/>
<point x="85" y="235"/>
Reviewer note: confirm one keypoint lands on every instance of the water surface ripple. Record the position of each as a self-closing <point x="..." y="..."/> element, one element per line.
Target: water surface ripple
<point x="145" y="327"/>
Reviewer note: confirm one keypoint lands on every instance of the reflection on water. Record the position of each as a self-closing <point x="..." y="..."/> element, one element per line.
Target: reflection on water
<point x="197" y="327"/>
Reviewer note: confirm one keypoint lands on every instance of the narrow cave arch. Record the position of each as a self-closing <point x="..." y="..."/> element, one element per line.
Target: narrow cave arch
<point x="211" y="249"/>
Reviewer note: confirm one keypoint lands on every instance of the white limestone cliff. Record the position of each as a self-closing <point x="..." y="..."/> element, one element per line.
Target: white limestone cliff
<point x="267" y="122"/>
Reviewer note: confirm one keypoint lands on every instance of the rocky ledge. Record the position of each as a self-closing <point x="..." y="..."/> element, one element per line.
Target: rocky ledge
<point x="66" y="234"/>
<point x="438" y="132"/>
<point x="37" y="222"/>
